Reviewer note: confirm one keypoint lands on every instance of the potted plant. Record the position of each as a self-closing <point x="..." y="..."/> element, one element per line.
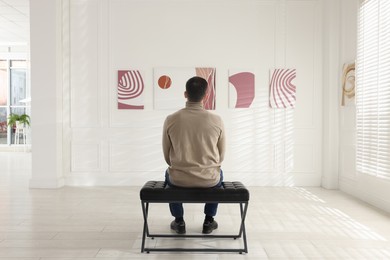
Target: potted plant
<point x="20" y="120"/>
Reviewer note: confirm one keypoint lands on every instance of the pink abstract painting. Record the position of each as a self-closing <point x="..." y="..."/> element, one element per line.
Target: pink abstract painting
<point x="241" y="89"/>
<point x="130" y="89"/>
<point x="209" y="75"/>
<point x="282" y="91"/>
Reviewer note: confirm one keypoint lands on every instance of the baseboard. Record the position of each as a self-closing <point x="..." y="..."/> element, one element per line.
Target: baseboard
<point x="139" y="179"/>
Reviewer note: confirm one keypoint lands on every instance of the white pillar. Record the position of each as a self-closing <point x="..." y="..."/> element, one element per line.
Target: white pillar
<point x="46" y="93"/>
<point x="331" y="89"/>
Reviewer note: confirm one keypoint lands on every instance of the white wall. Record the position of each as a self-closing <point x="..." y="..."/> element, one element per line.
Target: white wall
<point x="89" y="142"/>
<point x="46" y="94"/>
<point x="106" y="146"/>
<point x="330" y="89"/>
<point x="373" y="190"/>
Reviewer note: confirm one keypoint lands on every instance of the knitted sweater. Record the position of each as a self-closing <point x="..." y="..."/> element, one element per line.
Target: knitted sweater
<point x="194" y="146"/>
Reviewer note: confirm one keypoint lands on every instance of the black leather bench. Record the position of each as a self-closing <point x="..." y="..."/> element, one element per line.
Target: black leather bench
<point x="159" y="192"/>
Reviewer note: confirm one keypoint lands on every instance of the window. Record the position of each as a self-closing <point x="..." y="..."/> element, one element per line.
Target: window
<point x="373" y="89"/>
<point x="13" y="94"/>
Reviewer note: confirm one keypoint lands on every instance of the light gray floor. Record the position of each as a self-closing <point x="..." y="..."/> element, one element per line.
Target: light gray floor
<point x="106" y="223"/>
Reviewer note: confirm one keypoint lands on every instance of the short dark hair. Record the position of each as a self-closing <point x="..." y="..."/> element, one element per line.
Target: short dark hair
<point x="196" y="89"/>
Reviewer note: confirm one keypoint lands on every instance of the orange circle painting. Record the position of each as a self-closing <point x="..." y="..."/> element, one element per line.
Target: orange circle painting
<point x="164" y="82"/>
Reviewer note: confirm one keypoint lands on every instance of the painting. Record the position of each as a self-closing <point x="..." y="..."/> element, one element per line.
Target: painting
<point x="282" y="90"/>
<point x="241" y="88"/>
<point x="348" y="85"/>
<point x="130" y="89"/>
<point x="169" y="87"/>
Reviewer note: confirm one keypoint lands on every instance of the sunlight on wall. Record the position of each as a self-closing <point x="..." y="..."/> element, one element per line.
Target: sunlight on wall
<point x="262" y="139"/>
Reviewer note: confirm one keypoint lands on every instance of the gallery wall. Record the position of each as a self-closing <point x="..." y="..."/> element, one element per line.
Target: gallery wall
<point x="103" y="145"/>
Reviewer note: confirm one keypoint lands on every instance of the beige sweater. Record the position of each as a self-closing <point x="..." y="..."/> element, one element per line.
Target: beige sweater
<point x="194" y="146"/>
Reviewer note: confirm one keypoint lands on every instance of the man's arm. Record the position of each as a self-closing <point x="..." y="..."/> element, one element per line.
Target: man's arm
<point x="222" y="143"/>
<point x="166" y="142"/>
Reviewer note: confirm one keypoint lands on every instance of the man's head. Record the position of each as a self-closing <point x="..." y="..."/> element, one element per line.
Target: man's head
<point x="196" y="89"/>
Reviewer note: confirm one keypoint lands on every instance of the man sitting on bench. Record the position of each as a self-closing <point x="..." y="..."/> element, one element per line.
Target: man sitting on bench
<point x="194" y="146"/>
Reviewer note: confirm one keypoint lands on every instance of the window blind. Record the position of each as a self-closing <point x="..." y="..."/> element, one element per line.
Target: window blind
<point x="373" y="89"/>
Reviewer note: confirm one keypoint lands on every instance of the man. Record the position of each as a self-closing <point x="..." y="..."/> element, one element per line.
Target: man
<point x="194" y="147"/>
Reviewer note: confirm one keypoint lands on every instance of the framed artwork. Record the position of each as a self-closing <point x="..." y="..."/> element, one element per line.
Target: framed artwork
<point x="348" y="85"/>
<point x="282" y="90"/>
<point x="169" y="86"/>
<point x="241" y="88"/>
<point x="130" y="89"/>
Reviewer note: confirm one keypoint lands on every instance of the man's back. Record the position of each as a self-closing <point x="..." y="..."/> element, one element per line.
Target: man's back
<point x="194" y="146"/>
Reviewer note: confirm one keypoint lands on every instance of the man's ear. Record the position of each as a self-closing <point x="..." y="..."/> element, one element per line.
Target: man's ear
<point x="185" y="94"/>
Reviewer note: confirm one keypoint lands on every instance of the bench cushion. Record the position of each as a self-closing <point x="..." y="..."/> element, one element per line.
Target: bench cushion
<point x="158" y="191"/>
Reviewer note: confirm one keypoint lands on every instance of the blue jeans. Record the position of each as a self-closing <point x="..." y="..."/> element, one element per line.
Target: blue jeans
<point x="210" y="209"/>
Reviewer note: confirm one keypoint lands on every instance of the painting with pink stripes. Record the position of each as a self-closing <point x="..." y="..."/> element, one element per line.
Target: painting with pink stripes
<point x="130" y="89"/>
<point x="282" y="90"/>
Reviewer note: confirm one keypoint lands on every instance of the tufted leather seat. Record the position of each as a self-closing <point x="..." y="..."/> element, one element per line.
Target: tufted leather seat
<point x="158" y="191"/>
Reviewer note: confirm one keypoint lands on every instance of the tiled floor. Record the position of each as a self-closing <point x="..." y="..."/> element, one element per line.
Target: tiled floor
<point x="106" y="223"/>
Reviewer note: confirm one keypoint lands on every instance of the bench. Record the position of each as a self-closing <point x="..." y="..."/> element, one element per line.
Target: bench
<point x="229" y="192"/>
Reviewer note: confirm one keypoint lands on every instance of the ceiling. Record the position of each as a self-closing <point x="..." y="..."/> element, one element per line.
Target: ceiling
<point x="14" y="22"/>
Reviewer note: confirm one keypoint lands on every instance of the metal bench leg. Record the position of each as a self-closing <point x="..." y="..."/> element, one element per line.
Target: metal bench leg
<point x="242" y="228"/>
<point x="145" y="209"/>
